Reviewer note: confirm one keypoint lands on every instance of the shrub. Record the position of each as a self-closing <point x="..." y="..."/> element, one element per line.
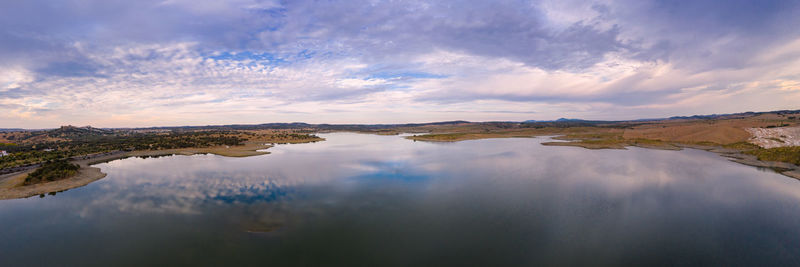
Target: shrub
<point x="784" y="154"/>
<point x="52" y="171"/>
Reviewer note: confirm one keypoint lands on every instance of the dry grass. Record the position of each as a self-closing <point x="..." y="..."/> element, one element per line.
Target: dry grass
<point x="780" y="154"/>
<point x="654" y="134"/>
<point x="471" y="133"/>
<point x="726" y="136"/>
<point x="723" y="131"/>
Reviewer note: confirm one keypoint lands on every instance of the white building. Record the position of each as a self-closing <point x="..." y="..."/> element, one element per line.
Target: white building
<point x="3" y="153"/>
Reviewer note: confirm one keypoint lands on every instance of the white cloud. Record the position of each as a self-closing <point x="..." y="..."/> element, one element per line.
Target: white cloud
<point x="13" y="78"/>
<point x="248" y="61"/>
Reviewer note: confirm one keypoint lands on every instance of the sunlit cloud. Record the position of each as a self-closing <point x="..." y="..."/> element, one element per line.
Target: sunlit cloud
<point x="249" y="61"/>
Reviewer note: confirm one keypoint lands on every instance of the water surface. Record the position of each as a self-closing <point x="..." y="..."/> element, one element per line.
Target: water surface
<point x="382" y="200"/>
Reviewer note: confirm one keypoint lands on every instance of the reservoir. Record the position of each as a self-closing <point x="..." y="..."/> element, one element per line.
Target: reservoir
<point x="370" y="200"/>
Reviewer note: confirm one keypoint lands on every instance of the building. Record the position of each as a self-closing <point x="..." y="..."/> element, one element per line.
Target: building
<point x="3" y="153"/>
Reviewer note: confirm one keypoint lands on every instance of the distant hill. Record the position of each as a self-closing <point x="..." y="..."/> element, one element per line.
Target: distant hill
<point x="693" y="117"/>
<point x="67" y="133"/>
<point x="300" y="125"/>
<point x="734" y="115"/>
<point x="565" y="119"/>
<point x="558" y="120"/>
<point x="70" y="130"/>
<point x="73" y="132"/>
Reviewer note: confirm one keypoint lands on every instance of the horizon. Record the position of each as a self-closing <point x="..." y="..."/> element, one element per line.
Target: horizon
<point x="158" y="63"/>
<point x="396" y="123"/>
<point x="399" y="132"/>
<point x="400" y="123"/>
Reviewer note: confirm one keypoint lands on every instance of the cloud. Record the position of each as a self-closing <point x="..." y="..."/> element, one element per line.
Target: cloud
<point x="138" y="63"/>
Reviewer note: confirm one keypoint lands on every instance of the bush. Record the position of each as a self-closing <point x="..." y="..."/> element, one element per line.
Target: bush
<point x="783" y="154"/>
<point x="52" y="171"/>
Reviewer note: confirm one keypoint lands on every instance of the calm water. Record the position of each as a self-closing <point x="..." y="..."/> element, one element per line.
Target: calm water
<point x="383" y="200"/>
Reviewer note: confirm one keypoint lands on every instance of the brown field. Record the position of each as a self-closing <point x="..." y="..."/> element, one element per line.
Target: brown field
<point x="451" y="134"/>
<point x="726" y="135"/>
<point x="698" y="131"/>
<point x="21" y="138"/>
<point x="713" y="131"/>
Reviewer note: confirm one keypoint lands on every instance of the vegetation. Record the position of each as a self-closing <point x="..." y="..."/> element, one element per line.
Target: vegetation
<point x="727" y="130"/>
<point x="742" y="146"/>
<point x="47" y="151"/>
<point x="52" y="171"/>
<point x="439" y="137"/>
<point x="69" y="141"/>
<point x="789" y="154"/>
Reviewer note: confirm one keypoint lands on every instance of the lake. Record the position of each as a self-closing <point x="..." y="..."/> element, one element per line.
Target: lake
<point x="372" y="200"/>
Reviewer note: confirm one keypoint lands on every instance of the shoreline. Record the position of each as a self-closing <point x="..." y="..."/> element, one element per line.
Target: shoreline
<point x="456" y="137"/>
<point x="85" y="176"/>
<point x="782" y="168"/>
<point x="10" y="184"/>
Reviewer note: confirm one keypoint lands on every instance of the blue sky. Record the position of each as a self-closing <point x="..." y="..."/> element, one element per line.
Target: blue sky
<point x="182" y="62"/>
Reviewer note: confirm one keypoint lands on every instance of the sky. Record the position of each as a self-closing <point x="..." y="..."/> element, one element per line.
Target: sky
<point x="207" y="62"/>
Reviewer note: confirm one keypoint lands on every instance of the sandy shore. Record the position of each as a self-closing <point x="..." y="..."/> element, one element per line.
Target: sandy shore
<point x="734" y="155"/>
<point x="11" y="184"/>
<point x="786" y="169"/>
<point x="246" y="150"/>
<point x="783" y="168"/>
<point x="609" y="144"/>
<point x="85" y="176"/>
<point x="585" y="145"/>
<point x="455" y="137"/>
